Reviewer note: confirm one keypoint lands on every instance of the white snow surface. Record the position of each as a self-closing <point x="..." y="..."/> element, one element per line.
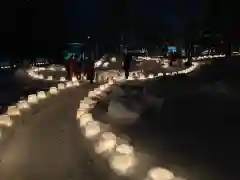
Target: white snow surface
<point x="117" y="92"/>
<point x="118" y="110"/>
<point x="216" y="88"/>
<point x="128" y="105"/>
<point x="20" y="73"/>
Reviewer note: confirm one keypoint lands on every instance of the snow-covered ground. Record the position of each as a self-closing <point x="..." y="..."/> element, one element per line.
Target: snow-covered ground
<point x="126" y="105"/>
<point x="16" y="85"/>
<point x="45" y="143"/>
<point x="162" y="119"/>
<point x="185" y="124"/>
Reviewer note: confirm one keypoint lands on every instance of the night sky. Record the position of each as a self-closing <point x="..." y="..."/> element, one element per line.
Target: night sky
<point x="168" y="16"/>
<point x="55" y="22"/>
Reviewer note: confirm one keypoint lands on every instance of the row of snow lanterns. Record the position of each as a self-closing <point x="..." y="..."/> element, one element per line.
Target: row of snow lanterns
<point x="41" y="63"/>
<point x="33" y="73"/>
<point x="36" y="69"/>
<point x="134" y="75"/>
<point x="32" y="99"/>
<point x="209" y="57"/>
<point x="101" y="62"/>
<point x="194" y="58"/>
<point x="121" y="156"/>
<point x="140" y="76"/>
<point x="137" y="75"/>
<point x="6" y="67"/>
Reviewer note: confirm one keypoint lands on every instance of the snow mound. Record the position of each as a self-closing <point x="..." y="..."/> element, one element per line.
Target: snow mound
<point x="20" y="73"/>
<point x="154" y="101"/>
<point x="216" y="88"/>
<point x="117" y="92"/>
<point x="118" y="110"/>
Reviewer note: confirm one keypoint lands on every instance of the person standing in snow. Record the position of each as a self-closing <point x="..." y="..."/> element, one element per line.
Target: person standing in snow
<point x="78" y="67"/>
<point x="127" y="64"/>
<point x="70" y="67"/>
<point x="90" y="69"/>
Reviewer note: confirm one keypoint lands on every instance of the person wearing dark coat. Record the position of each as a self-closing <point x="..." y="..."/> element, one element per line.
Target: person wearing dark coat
<point x="89" y="68"/>
<point x="90" y="71"/>
<point x="78" y="68"/>
<point x="70" y="67"/>
<point x="127" y="64"/>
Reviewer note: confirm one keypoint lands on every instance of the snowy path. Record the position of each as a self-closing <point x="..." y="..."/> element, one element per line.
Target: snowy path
<point x="48" y="144"/>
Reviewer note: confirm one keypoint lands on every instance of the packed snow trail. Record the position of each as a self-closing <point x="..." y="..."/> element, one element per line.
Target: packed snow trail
<point x="48" y="144"/>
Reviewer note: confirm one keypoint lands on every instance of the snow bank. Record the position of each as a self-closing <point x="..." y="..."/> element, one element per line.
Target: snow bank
<point x="20" y="73"/>
<point x="153" y="101"/>
<point x="117" y="92"/>
<point x="216" y="88"/>
<point x="118" y="110"/>
<point x="127" y="105"/>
